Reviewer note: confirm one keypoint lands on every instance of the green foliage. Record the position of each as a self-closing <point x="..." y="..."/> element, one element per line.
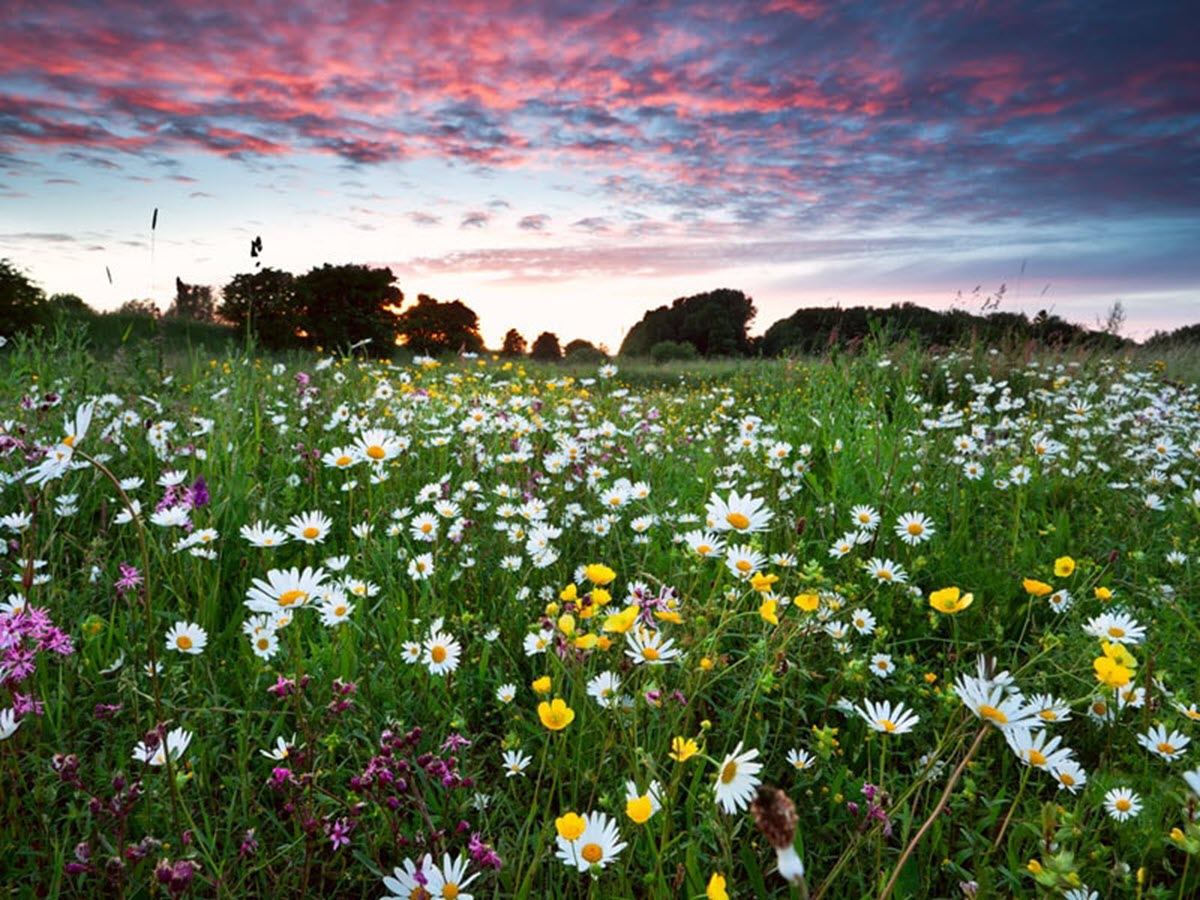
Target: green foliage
<point x="546" y="348"/>
<point x="431" y="328"/>
<point x="670" y="351"/>
<point x="23" y="305"/>
<point x="715" y="323"/>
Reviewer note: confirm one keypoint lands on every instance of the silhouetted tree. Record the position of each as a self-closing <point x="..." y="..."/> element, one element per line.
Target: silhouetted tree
<point x="22" y="303"/>
<point x="193" y="302"/>
<point x="546" y="348"/>
<point x="430" y="327"/>
<point x="69" y="303"/>
<point x="347" y="305"/>
<point x="514" y="344"/>
<point x="264" y="303"/>
<point x="714" y="323"/>
<point x="583" y="352"/>
<point x="140" y="307"/>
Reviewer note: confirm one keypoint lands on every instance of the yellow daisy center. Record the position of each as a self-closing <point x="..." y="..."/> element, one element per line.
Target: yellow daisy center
<point x="438" y="654"/>
<point x="69" y="440"/>
<point x="339" y="610"/>
<point x="650" y="653"/>
<point x="1067" y="779"/>
<point x="263" y="643"/>
<point x="593" y="853"/>
<point x="729" y="771"/>
<point x="1036" y="758"/>
<point x="883" y="574"/>
<point x="1123" y="805"/>
<point x="1116" y="631"/>
<point x="990" y="712"/>
<point x="343" y="460"/>
<point x="915" y="528"/>
<point x="743" y="565"/>
<point x="377" y="452"/>
<point x="290" y="597"/>
<point x="1164" y="747"/>
<point x="418" y="893"/>
<point x="704" y="549"/>
<point x="737" y="520"/>
<point x="1049" y="715"/>
<point x="426" y="527"/>
<point x="183" y="642"/>
<point x="450" y="891"/>
<point x="887" y="725"/>
<point x="312" y="532"/>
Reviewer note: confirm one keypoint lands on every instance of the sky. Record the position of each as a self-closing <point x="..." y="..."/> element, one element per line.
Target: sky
<point x="566" y="166"/>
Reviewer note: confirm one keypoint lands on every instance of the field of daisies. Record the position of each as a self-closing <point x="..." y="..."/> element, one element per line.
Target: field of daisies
<point x="888" y="625"/>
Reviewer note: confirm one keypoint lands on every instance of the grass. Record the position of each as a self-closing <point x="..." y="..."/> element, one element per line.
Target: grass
<point x="378" y="759"/>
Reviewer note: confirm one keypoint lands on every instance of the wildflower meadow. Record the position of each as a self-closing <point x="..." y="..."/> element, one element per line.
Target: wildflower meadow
<point x="891" y="624"/>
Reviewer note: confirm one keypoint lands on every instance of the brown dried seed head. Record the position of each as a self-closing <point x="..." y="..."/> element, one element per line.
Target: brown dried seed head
<point x="775" y="815"/>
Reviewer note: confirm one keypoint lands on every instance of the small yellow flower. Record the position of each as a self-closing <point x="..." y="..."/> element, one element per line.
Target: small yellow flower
<point x="1111" y="673"/>
<point x="599" y="574"/>
<point x="639" y="809"/>
<point x="767" y="610"/>
<point x="1103" y="594"/>
<point x="1034" y="867"/>
<point x="542" y="685"/>
<point x="669" y="615"/>
<point x="683" y="749"/>
<point x="622" y="621"/>
<point x="552" y="609"/>
<point x="761" y="582"/>
<point x="706" y="664"/>
<point x="566" y="624"/>
<point x="950" y="600"/>
<point x="1063" y="567"/>
<point x="586" y="642"/>
<point x="716" y="888"/>
<point x="930" y="678"/>
<point x="570" y="826"/>
<point x="1037" y="588"/>
<point x="569" y="594"/>
<point x="600" y="597"/>
<point x="807" y="602"/>
<point x="1177" y="835"/>
<point x="555" y="715"/>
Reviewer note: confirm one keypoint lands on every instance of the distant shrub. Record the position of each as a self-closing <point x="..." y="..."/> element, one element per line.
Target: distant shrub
<point x="668" y="351"/>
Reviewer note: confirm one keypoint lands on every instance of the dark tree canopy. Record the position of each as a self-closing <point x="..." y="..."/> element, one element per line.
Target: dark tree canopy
<point x="430" y="327"/>
<point x="69" y="304"/>
<point x="546" y="348"/>
<point x="581" y="351"/>
<point x="193" y="302"/>
<point x="22" y="303"/>
<point x="264" y="303"/>
<point x="140" y="306"/>
<point x="514" y="344"/>
<point x="346" y="305"/>
<point x="714" y="323"/>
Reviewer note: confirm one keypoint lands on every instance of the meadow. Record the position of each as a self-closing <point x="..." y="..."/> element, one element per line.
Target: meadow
<point x="890" y="623"/>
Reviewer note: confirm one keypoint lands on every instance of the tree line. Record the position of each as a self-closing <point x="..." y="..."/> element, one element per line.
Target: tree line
<point x="351" y="307"/>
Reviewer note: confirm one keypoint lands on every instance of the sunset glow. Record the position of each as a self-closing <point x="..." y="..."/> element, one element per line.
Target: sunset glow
<point x="566" y="166"/>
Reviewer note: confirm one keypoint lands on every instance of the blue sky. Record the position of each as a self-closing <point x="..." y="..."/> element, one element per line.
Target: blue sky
<point x="566" y="166"/>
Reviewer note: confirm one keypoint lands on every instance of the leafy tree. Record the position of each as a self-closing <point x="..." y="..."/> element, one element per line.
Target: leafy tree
<point x="140" y="307"/>
<point x="546" y="348"/>
<point x="514" y="344"/>
<point x="193" y="302"/>
<point x="264" y="303"/>
<point x="584" y="352"/>
<point x="714" y="323"/>
<point x="430" y="327"/>
<point x="347" y="305"/>
<point x="69" y="304"/>
<point x="22" y="303"/>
